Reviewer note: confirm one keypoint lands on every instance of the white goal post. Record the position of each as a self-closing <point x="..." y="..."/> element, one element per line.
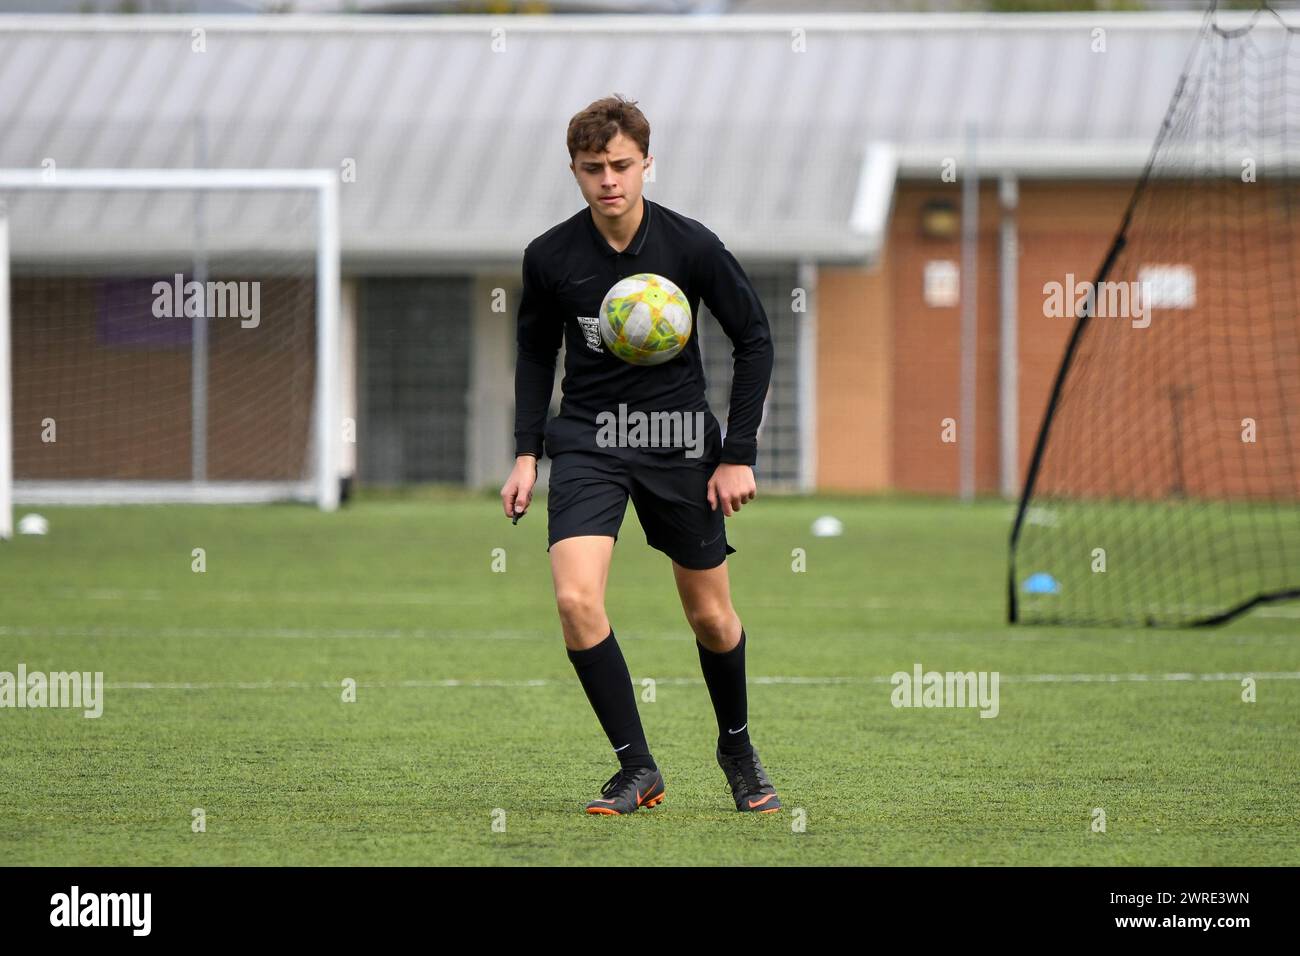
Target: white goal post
<point x="325" y="438"/>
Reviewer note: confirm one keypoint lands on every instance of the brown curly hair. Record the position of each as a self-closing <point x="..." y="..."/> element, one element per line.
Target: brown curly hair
<point x="593" y="128"/>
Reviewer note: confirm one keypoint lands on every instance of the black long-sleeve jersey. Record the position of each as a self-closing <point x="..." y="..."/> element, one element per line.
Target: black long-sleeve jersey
<point x="568" y="270"/>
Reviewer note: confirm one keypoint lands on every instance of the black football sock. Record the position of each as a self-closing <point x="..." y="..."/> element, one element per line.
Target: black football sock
<point x="605" y="678"/>
<point x="724" y="675"/>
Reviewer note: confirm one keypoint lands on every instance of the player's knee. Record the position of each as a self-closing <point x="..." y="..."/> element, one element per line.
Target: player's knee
<point x="712" y="625"/>
<point x="578" y="606"/>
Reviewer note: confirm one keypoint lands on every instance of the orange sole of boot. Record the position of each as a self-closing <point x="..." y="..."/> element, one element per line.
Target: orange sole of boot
<point x="605" y="811"/>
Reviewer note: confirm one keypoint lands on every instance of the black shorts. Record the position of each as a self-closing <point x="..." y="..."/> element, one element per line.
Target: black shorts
<point x="589" y="491"/>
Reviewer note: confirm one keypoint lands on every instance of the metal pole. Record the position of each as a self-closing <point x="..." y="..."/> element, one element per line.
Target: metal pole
<point x="199" y="323"/>
<point x="6" y="382"/>
<point x="327" y="341"/>
<point x="806" y="332"/>
<point x="1008" y="347"/>
<point x="969" y="341"/>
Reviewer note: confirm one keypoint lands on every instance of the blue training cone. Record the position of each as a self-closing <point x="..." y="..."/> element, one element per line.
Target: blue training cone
<point x="1042" y="583"/>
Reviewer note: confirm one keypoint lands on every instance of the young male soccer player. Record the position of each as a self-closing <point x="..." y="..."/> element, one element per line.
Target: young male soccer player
<point x="681" y="491"/>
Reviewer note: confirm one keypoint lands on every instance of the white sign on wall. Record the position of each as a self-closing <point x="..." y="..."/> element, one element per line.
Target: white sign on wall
<point x="1168" y="287"/>
<point x="942" y="284"/>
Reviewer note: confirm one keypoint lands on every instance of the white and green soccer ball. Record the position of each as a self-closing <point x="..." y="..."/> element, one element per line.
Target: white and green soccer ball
<point x="645" y="319"/>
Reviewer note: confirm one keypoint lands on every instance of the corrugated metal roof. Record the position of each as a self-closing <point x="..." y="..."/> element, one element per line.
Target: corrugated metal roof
<point x="458" y="135"/>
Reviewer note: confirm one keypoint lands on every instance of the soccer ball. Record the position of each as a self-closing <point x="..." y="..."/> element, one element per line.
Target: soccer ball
<point x="645" y="319"/>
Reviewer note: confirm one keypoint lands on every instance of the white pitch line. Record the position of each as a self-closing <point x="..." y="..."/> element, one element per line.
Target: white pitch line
<point x="288" y="633"/>
<point x="292" y="633"/>
<point x="530" y="634"/>
<point x="281" y="597"/>
<point x="299" y="685"/>
<point x="1280" y="610"/>
<point x="427" y="599"/>
<point x="673" y="681"/>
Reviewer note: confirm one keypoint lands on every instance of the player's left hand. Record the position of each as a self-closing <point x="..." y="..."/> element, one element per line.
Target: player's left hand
<point x="732" y="485"/>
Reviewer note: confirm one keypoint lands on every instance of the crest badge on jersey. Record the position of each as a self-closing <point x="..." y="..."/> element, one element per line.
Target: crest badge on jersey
<point x="590" y="326"/>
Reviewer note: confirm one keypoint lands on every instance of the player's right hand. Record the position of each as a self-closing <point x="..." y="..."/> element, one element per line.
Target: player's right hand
<point x="517" y="492"/>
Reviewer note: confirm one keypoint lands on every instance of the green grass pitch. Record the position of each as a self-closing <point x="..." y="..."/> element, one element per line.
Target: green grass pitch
<point x="224" y="692"/>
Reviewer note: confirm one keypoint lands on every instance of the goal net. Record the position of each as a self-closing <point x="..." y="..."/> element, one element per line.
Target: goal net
<point x="1165" y="483"/>
<point x="163" y="335"/>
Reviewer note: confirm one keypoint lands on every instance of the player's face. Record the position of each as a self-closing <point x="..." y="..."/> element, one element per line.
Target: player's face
<point x="611" y="181"/>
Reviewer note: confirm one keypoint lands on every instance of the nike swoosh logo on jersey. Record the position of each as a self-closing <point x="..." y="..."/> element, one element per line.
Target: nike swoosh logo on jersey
<point x="581" y="281"/>
<point x="705" y="544"/>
